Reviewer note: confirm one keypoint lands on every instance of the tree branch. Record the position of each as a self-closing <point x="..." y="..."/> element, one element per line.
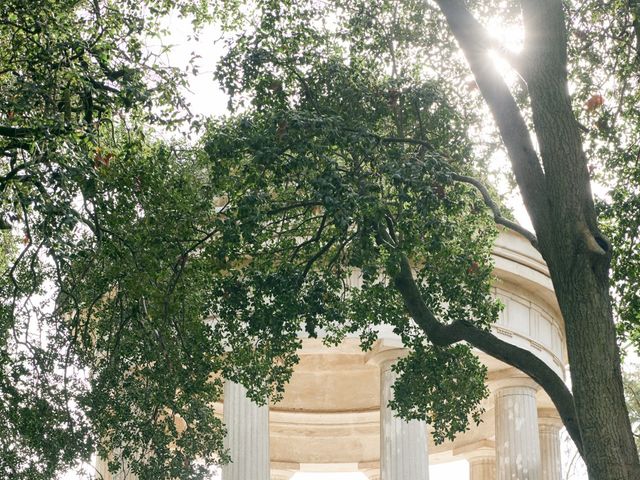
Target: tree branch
<point x="557" y="130"/>
<point x="513" y="129"/>
<point x="484" y="340"/>
<point x="16" y="132"/>
<point x="11" y="174"/>
<point x="24" y="132"/>
<point x="493" y="206"/>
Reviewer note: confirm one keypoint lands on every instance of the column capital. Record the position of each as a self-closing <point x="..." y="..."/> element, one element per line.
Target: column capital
<point x="385" y="353"/>
<point x="484" y="449"/>
<point x="510" y="377"/>
<point x="549" y="417"/>
<point x="283" y="470"/>
<point x="512" y="383"/>
<point x="371" y="470"/>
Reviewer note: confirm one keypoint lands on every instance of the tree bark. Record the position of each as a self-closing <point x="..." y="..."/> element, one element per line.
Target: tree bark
<point x="556" y="190"/>
<point x="609" y="447"/>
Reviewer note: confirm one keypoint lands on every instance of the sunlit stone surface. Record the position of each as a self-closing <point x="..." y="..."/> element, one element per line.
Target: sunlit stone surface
<point x="330" y="417"/>
<point x="517" y="441"/>
<point x="403" y="445"/>
<point x="549" y="425"/>
<point x="482" y="467"/>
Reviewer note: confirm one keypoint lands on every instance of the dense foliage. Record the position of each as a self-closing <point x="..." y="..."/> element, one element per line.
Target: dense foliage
<point x="606" y="49"/>
<point x="342" y="161"/>
<point x="143" y="242"/>
<point x="99" y="325"/>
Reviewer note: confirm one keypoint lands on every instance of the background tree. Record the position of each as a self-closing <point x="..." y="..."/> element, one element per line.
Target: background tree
<point x="348" y="156"/>
<point x="605" y="44"/>
<point x="102" y="343"/>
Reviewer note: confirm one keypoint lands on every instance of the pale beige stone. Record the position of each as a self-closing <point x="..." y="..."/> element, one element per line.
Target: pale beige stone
<point x="517" y="442"/>
<point x="247" y="436"/>
<point x="549" y="425"/>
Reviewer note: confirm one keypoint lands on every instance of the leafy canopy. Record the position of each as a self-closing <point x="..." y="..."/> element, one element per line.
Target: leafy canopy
<point x="102" y="343"/>
<point x="176" y="266"/>
<point x="342" y="159"/>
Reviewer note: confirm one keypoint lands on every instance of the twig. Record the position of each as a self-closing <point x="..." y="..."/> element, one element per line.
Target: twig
<point x="493" y="206"/>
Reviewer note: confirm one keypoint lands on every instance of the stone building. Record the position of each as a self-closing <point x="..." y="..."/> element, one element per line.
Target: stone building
<point x="334" y="417"/>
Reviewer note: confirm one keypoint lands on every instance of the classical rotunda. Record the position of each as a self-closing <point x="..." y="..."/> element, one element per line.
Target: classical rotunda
<point x="334" y="416"/>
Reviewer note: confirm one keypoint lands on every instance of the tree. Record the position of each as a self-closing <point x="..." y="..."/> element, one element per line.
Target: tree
<point x="349" y="153"/>
<point x="302" y="89"/>
<point x="631" y="385"/>
<point x="88" y="359"/>
<point x="556" y="189"/>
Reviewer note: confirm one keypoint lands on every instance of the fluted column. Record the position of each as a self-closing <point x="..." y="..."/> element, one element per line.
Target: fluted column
<point x="549" y="426"/>
<point x="247" y="435"/>
<point x="403" y="445"/>
<point x="517" y="441"/>
<point x="102" y="469"/>
<point x="482" y="464"/>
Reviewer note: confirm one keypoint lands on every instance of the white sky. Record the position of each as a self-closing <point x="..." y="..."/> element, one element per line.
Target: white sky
<point x="454" y="470"/>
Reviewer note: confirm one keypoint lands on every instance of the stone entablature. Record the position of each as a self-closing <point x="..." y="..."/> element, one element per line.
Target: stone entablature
<point x="530" y="325"/>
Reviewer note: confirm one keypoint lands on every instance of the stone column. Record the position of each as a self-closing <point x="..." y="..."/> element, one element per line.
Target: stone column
<point x="102" y="469"/>
<point x="247" y="436"/>
<point x="403" y="445"/>
<point x="549" y="425"/>
<point x="517" y="441"/>
<point x="482" y="464"/>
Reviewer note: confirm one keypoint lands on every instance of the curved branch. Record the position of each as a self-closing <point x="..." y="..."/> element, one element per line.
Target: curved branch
<point x="16" y="132"/>
<point x="13" y="174"/>
<point x="484" y="340"/>
<point x="28" y="132"/>
<point x="495" y="209"/>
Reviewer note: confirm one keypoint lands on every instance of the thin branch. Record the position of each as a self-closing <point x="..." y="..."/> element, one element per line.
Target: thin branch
<point x="316" y="237"/>
<point x="412" y="141"/>
<point x="324" y="249"/>
<point x="495" y="209"/>
<point x="513" y="129"/>
<point x="27" y="132"/>
<point x="17" y="132"/>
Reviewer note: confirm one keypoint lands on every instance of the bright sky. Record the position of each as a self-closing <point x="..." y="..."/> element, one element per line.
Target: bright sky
<point x="454" y="470"/>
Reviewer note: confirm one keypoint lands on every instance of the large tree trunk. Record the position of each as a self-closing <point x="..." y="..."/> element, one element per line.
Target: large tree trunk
<point x="608" y="445"/>
<point x="555" y="187"/>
